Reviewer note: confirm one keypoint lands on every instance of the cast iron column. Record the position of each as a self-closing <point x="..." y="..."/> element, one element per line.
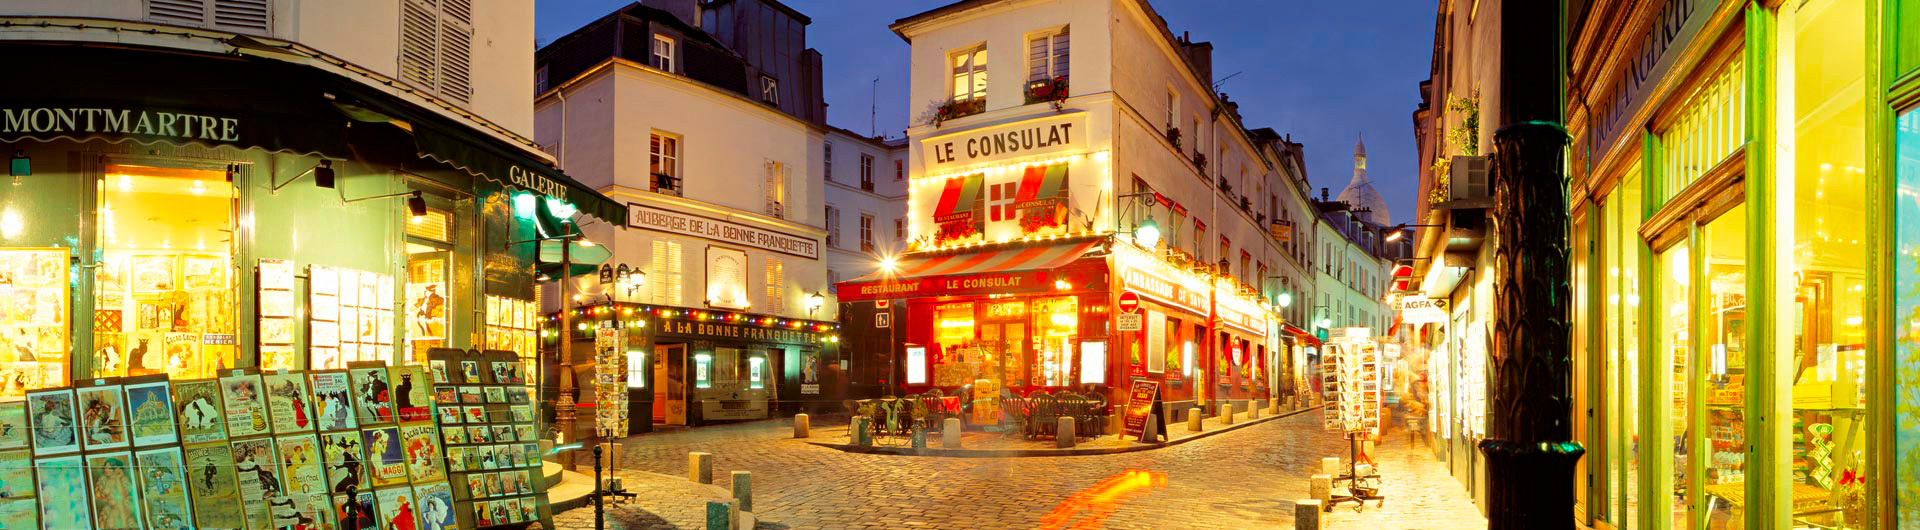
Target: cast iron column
<point x="1529" y="447"/>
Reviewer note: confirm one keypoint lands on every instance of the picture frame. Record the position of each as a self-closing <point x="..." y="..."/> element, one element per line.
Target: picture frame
<point x="372" y="392"/>
<point x="55" y="420"/>
<point x="111" y="490"/>
<point x="61" y="485"/>
<point x="246" y="408"/>
<point x="386" y="458"/>
<point x="103" y="415"/>
<point x="332" y="400"/>
<point x="150" y="408"/>
<point x="163" y="490"/>
<point x="343" y="458"/>
<point x="289" y="404"/>
<point x="214" y="486"/>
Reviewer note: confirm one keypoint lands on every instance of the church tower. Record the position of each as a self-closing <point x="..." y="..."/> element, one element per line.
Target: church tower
<point x="1360" y="194"/>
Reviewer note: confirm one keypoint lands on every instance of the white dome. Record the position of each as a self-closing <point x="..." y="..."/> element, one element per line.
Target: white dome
<point x="1360" y="194"/>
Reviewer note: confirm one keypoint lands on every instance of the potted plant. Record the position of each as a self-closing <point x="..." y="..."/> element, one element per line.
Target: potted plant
<point x="1050" y="91"/>
<point x="1173" y="136"/>
<point x="1200" y="161"/>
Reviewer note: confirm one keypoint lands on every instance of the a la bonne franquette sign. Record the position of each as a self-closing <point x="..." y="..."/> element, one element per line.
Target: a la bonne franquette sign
<point x="717" y="230"/>
<point x="1053" y="134"/>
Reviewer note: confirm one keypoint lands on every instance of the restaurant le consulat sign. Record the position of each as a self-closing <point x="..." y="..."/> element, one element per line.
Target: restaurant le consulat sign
<point x="1064" y="133"/>
<point x="723" y="231"/>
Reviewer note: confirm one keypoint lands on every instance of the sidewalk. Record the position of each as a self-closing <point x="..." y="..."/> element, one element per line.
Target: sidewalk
<point x="663" y="502"/>
<point x="1420" y="494"/>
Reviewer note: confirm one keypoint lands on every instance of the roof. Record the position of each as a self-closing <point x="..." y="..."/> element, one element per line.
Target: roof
<point x="795" y="13"/>
<point x="643" y="12"/>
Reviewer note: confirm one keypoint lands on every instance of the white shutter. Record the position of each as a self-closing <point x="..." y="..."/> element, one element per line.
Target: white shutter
<point x="419" y="44"/>
<point x="179" y="12"/>
<point x="776" y="286"/>
<point x="771" y="186"/>
<point x="666" y="275"/>
<point x="242" y="16"/>
<point x="456" y="45"/>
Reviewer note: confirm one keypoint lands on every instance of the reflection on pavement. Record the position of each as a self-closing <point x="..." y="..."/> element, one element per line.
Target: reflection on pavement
<point x="1102" y="499"/>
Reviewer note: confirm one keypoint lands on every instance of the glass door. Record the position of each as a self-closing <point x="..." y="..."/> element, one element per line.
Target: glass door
<point x="1672" y="358"/>
<point x="1724" y="353"/>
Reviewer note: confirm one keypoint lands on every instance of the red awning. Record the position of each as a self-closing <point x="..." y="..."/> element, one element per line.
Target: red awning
<point x="911" y="276"/>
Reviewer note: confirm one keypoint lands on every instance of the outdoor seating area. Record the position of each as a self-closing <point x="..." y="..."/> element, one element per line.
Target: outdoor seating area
<point x="1034" y="416"/>
<point x="897" y="420"/>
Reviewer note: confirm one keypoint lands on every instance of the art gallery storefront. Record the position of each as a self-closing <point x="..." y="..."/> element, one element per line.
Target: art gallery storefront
<point x="178" y="213"/>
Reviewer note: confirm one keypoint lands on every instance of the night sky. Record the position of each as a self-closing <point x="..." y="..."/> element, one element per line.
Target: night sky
<point x="1324" y="71"/>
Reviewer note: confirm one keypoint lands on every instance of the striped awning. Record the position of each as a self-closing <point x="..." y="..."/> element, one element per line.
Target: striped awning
<point x="1005" y="260"/>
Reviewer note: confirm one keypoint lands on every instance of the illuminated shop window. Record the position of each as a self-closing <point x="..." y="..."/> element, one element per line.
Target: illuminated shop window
<point x="637" y="368"/>
<point x="164" y="291"/>
<point x="703" y="370"/>
<point x="756" y="372"/>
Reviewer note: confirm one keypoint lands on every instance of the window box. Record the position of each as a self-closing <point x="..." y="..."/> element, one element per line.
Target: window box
<point x="1173" y="136"/>
<point x="950" y="109"/>
<point x="1050" y="91"/>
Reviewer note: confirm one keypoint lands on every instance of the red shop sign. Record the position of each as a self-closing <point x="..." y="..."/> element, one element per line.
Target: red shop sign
<point x="970" y="284"/>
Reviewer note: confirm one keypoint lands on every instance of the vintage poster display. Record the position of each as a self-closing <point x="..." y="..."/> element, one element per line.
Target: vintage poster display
<point x="386" y="459"/>
<point x="258" y="471"/>
<point x="288" y="403"/>
<point x="355" y="308"/>
<point x="435" y="505"/>
<point x="372" y="394"/>
<point x="150" y="413"/>
<point x="332" y="401"/>
<point x="54" y="429"/>
<point x="301" y="472"/>
<point x="491" y="450"/>
<point x="164" y="501"/>
<point x="214" y="487"/>
<point x="423" y="452"/>
<point x="111" y="490"/>
<point x="410" y="393"/>
<point x="16" y="474"/>
<point x="200" y="411"/>
<point x="14" y="428"/>
<point x="103" y="417"/>
<point x="356" y="515"/>
<point x="397" y="508"/>
<point x="34" y="319"/>
<point x="61" y="483"/>
<point x="344" y="458"/>
<point x="246" y="411"/>
<point x="19" y="514"/>
<point x="276" y="310"/>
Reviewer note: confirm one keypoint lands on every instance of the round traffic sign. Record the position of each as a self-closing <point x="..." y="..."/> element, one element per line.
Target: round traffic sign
<point x="1129" y="302"/>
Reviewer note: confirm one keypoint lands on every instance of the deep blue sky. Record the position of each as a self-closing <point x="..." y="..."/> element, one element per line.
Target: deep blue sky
<point x="1324" y="71"/>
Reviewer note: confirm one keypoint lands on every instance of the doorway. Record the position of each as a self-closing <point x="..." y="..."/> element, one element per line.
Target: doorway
<point x="670" y="384"/>
<point x="1003" y="347"/>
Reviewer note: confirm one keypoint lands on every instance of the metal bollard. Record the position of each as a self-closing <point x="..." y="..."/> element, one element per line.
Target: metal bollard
<point x="599" y="495"/>
<point x="802" y="427"/>
<point x="700" y="467"/>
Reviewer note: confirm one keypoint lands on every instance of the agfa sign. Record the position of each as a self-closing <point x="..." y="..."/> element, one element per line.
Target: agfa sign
<point x="1423" y="310"/>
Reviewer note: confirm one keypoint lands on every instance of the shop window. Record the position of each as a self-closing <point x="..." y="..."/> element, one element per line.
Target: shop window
<point x="958" y="358"/>
<point x="703" y="370"/>
<point x="511" y="325"/>
<point x="429" y="247"/>
<point x="1056" y="322"/>
<point x="1722" y="361"/>
<point x="34" y="331"/>
<point x="757" y="372"/>
<point x="1670" y="359"/>
<point x="1711" y="127"/>
<point x="1906" y="310"/>
<point x="1157" y="345"/>
<point x="1620" y="247"/>
<point x="164" y="291"/>
<point x="638" y="369"/>
<point x="667" y="275"/>
<point x="1171" y="351"/>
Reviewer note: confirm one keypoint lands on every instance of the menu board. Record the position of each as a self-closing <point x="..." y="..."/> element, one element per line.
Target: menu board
<point x="486" y="416"/>
<point x="512" y="326"/>
<point x="610" y="410"/>
<point x="34" y="320"/>
<point x="350" y="317"/>
<point x="277" y="308"/>
<point x="1140" y="400"/>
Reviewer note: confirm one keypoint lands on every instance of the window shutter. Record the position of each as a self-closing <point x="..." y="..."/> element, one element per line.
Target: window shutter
<point x="772" y="173"/>
<point x="1037" y="58"/>
<point x="456" y="47"/>
<point x="242" y="16"/>
<point x="419" y="44"/>
<point x="776" y="286"/>
<point x="180" y="12"/>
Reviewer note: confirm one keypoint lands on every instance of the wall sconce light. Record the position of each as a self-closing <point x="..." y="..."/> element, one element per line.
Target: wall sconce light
<point x="814" y="302"/>
<point x="22" y="166"/>
<point x="322" y="175"/>
<point x="417" y="206"/>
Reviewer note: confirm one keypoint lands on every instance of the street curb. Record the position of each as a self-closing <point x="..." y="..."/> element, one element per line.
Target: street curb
<point x="1020" y="453"/>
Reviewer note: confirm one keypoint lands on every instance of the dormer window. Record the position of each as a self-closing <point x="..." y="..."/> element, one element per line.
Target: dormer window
<point x="769" y="90"/>
<point x="663" y="52"/>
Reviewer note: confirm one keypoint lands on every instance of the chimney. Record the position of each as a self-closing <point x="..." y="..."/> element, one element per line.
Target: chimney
<point x="687" y="11"/>
<point x="1323" y="194"/>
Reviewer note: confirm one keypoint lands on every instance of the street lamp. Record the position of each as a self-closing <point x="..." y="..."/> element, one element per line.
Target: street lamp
<point x="1400" y="228"/>
<point x="814" y="302"/>
<point x="1147" y="233"/>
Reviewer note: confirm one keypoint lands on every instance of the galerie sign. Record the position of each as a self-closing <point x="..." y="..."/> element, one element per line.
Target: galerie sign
<point x="141" y="122"/>
<point x="717" y="230"/>
<point x="1055" y="134"/>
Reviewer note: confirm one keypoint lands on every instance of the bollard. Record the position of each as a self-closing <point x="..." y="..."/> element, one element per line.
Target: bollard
<point x="1193" y="420"/>
<point x="1063" y="432"/>
<point x="1306" y="514"/>
<point x="1273" y="407"/>
<point x="919" y="438"/>
<point x="1320" y="487"/>
<point x="700" y="467"/>
<point x="719" y="516"/>
<point x="1150" y="433"/>
<point x="802" y="427"/>
<point x="1253" y="412"/>
<point x="950" y="433"/>
<point x="1330" y="465"/>
<point x="733" y="515"/>
<point x="743" y="490"/>
<point x="1226" y="416"/>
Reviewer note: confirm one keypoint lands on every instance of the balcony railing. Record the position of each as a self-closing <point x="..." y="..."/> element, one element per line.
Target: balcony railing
<point x="667" y="184"/>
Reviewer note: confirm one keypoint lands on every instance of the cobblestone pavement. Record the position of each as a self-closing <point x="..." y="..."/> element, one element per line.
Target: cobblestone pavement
<point x="1247" y="478"/>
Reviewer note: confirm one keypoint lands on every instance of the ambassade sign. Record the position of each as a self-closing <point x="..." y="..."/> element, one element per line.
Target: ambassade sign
<point x="723" y="231"/>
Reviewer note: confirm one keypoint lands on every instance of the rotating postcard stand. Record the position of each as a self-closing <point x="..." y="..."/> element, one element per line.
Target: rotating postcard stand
<point x="1350" y="374"/>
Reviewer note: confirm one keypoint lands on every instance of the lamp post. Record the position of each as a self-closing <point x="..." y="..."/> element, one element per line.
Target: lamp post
<point x="563" y="413"/>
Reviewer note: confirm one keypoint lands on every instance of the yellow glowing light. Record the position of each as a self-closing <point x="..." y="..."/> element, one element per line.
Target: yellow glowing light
<point x="126" y="183"/>
<point x="584" y="242"/>
<point x="956" y="323"/>
<point x="889" y="264"/>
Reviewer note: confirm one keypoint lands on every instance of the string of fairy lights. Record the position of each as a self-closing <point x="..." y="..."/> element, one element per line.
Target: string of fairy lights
<point x="636" y="317"/>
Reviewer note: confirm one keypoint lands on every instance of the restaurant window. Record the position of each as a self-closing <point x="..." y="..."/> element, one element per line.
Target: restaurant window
<point x="663" y="52"/>
<point x="866" y="233"/>
<point x="833" y="227"/>
<point x="164" y="291"/>
<point x="969" y="74"/>
<point x="667" y="273"/>
<point x="663" y="163"/>
<point x="1056" y="322"/>
<point x="866" y="172"/>
<point x="776" y="286"/>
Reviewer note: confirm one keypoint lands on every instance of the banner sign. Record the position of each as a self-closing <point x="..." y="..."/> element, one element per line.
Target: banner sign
<point x="1139" y="404"/>
<point x="1422" y="310"/>
<point x="996" y="282"/>
<point x="1052" y="134"/>
<point x="1163" y="290"/>
<point x="723" y="231"/>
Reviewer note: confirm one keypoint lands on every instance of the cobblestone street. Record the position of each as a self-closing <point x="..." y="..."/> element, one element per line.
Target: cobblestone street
<point x="1242" y="479"/>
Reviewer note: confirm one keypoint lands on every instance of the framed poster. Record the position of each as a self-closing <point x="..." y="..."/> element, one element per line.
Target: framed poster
<point x="246" y="409"/>
<point x="396" y="507"/>
<point x="372" y="395"/>
<point x="331" y="401"/>
<point x="358" y="514"/>
<point x="435" y="505"/>
<point x="150" y="413"/>
<point x="13" y="425"/>
<point x="213" y="486"/>
<point x="153" y="273"/>
<point x="20" y="513"/>
<point x="258" y="472"/>
<point x="111" y="490"/>
<point x="163" y="490"/>
<point x="200" y="411"/>
<point x="386" y="460"/>
<point x="61" y="482"/>
<point x="300" y="465"/>
<point x="410" y="393"/>
<point x="54" y="430"/>
<point x="16" y="474"/>
<point x="288" y="403"/>
<point x="344" y="458"/>
<point x="423" y="453"/>
<point x="103" y="417"/>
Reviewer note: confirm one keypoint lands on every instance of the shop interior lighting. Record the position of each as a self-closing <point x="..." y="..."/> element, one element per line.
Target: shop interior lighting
<point x="21" y="167"/>
<point x="322" y="176"/>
